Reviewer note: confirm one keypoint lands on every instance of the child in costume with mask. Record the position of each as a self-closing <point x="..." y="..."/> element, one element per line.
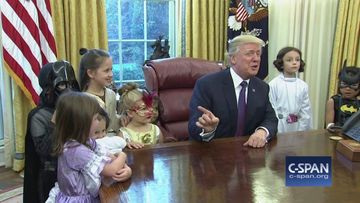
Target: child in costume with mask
<point x="138" y="105"/>
<point x="40" y="165"/>
<point x="344" y="104"/>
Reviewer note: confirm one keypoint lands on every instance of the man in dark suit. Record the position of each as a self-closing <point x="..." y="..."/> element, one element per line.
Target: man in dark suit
<point x="213" y="105"/>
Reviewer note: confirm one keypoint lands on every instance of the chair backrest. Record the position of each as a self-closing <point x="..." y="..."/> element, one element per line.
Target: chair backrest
<point x="173" y="79"/>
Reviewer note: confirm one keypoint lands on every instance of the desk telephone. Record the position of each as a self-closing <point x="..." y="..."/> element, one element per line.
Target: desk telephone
<point x="351" y="127"/>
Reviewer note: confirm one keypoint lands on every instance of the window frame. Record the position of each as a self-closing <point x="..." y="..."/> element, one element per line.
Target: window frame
<point x="146" y="42"/>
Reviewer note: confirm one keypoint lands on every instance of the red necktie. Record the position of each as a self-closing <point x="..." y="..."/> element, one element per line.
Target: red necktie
<point x="241" y="110"/>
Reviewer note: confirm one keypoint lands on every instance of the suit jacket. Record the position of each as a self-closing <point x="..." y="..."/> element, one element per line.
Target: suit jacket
<point x="216" y="93"/>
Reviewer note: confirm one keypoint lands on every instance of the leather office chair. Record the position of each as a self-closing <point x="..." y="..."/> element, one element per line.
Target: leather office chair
<point x="173" y="79"/>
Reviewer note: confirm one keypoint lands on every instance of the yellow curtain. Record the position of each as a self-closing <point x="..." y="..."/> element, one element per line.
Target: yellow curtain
<point x="22" y="107"/>
<point x="78" y="24"/>
<point x="347" y="41"/>
<point x="206" y="29"/>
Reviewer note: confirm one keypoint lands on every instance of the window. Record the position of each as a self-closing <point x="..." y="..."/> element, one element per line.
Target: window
<point x="133" y="26"/>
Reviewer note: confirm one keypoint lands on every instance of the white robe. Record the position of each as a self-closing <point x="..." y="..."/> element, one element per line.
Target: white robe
<point x="291" y="96"/>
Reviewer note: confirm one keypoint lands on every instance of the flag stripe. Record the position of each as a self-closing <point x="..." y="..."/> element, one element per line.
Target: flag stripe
<point x="17" y="60"/>
<point x="45" y="11"/>
<point x="241" y="13"/>
<point x="24" y="19"/>
<point x="28" y="41"/>
<point x="21" y="74"/>
<point x="46" y="50"/>
<point x="26" y="28"/>
<point x="45" y="24"/>
<point x="20" y="42"/>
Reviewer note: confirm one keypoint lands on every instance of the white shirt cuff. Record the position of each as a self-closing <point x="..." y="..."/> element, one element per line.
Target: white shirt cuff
<point x="207" y="136"/>
<point x="330" y="125"/>
<point x="267" y="132"/>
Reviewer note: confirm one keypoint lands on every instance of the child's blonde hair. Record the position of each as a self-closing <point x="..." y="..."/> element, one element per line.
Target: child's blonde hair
<point x="129" y="95"/>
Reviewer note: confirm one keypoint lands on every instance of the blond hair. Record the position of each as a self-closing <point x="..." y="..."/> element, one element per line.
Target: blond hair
<point x="235" y="43"/>
<point x="129" y="95"/>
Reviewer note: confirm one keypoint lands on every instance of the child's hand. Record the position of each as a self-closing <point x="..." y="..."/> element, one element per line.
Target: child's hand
<point x="333" y="128"/>
<point x="134" y="145"/>
<point x="123" y="174"/>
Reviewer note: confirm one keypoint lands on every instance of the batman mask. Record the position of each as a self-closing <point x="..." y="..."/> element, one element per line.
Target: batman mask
<point x="349" y="76"/>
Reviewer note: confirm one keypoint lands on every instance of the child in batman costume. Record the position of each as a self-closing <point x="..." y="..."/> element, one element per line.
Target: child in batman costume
<point x="40" y="165"/>
<point x="344" y="104"/>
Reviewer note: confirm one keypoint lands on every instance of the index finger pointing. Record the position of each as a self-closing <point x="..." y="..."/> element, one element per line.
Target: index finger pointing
<point x="205" y="111"/>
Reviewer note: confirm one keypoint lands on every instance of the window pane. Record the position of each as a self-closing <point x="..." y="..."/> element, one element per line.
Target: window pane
<point x="130" y="40"/>
<point x="149" y="49"/>
<point x="132" y="71"/>
<point x="117" y="74"/>
<point x="132" y="60"/>
<point x="114" y="53"/>
<point x="132" y="19"/>
<point x="112" y="19"/>
<point x="157" y="24"/>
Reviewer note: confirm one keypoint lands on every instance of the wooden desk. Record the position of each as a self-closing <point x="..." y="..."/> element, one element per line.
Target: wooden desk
<point x="225" y="171"/>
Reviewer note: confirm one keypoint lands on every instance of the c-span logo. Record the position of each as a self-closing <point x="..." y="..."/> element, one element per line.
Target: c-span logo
<point x="308" y="171"/>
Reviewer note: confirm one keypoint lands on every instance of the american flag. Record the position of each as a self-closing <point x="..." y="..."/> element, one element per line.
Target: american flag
<point x="241" y="13"/>
<point x="28" y="41"/>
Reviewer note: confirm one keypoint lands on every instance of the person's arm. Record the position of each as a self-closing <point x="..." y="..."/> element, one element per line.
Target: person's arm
<point x="41" y="129"/>
<point x="208" y="123"/>
<point x="268" y="127"/>
<point x="330" y="113"/>
<point x="258" y="139"/>
<point x="273" y="95"/>
<point x="202" y="122"/>
<point x="270" y="121"/>
<point x="117" y="164"/>
<point x="123" y="174"/>
<point x="305" y="114"/>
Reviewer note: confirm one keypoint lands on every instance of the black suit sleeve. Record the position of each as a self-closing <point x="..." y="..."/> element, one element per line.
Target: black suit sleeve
<point x="199" y="98"/>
